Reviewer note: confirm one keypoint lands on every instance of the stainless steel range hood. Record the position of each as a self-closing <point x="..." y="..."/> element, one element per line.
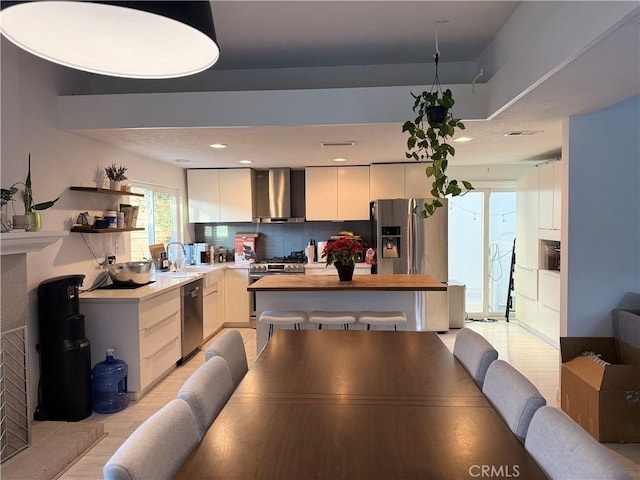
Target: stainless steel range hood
<point x="278" y="198"/>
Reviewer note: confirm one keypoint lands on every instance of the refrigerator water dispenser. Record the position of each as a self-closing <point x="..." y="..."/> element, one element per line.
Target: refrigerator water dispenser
<point x="390" y="242"/>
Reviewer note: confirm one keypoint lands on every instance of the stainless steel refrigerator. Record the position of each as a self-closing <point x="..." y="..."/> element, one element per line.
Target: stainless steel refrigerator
<point x="407" y="243"/>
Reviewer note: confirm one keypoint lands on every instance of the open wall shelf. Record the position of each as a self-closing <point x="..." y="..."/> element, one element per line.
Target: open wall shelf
<point x="106" y="191"/>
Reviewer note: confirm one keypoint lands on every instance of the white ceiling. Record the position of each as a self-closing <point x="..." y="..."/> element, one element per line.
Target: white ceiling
<point x="284" y="44"/>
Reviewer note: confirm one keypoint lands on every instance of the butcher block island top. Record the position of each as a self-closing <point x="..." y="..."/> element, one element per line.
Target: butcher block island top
<point x="387" y="282"/>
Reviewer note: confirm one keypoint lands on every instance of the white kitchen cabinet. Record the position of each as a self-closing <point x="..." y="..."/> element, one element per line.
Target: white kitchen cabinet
<point x="203" y="195"/>
<point x="337" y="193"/>
<point x="399" y="180"/>
<point x="145" y="334"/>
<point x="416" y="182"/>
<point x="527" y="206"/>
<point x="213" y="298"/>
<point x="550" y="198"/>
<point x="386" y="181"/>
<point x="224" y="195"/>
<point x="527" y="311"/>
<point x="236" y="297"/>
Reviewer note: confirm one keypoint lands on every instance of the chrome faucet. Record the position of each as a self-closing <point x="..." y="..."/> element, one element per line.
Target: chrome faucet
<point x="177" y="262"/>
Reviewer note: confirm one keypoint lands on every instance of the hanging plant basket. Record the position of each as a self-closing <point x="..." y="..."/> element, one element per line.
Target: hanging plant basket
<point x="437" y="115"/>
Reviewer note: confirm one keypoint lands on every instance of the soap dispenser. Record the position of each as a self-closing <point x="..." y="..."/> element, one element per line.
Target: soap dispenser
<point x="311" y="252"/>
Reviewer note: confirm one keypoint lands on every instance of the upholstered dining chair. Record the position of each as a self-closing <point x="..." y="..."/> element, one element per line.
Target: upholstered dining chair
<point x="565" y="451"/>
<point x="157" y="448"/>
<point x="206" y="391"/>
<point x="514" y="397"/>
<point x="475" y="354"/>
<point x="230" y="346"/>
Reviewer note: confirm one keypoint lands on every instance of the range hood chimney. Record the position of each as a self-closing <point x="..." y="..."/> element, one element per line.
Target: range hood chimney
<point x="279" y="197"/>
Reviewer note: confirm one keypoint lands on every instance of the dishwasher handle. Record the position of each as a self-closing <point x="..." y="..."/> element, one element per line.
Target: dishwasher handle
<point x="194" y="293"/>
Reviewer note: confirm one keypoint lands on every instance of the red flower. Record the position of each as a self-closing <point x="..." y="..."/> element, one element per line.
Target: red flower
<point x="343" y="251"/>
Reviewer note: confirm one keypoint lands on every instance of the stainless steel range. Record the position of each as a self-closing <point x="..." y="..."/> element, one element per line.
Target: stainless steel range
<point x="293" y="265"/>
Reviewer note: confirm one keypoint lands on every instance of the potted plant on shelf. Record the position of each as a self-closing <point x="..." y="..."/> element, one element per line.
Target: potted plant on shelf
<point x="115" y="175"/>
<point x="429" y="136"/>
<point x="343" y="253"/>
<point x="6" y="196"/>
<point x="32" y="221"/>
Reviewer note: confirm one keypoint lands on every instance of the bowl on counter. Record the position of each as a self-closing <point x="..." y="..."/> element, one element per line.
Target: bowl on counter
<point x="131" y="273"/>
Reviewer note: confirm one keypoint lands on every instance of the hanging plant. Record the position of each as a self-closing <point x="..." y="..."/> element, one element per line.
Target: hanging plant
<point x="429" y="136"/>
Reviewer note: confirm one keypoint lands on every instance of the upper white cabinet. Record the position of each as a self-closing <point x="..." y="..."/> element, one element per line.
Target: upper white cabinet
<point x="399" y="180"/>
<point x="221" y="195"/>
<point x="551" y="181"/>
<point x="337" y="193"/>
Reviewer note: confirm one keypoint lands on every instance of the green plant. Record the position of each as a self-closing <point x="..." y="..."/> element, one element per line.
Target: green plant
<point x="428" y="141"/>
<point x="116" y="173"/>
<point x="27" y="194"/>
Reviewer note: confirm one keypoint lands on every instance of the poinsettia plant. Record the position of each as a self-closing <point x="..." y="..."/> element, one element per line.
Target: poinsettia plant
<point x="343" y="251"/>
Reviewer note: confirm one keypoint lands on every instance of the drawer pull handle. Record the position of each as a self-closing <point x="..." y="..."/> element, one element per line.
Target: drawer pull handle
<point x="159" y="321"/>
<point x="161" y="348"/>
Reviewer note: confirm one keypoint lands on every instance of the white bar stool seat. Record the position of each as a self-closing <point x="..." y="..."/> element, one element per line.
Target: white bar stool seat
<point x="332" y="318"/>
<point x="382" y="318"/>
<point x="282" y="318"/>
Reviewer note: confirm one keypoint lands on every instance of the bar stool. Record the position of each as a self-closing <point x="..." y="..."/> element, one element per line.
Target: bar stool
<point x="273" y="317"/>
<point x="382" y="318"/>
<point x="332" y="318"/>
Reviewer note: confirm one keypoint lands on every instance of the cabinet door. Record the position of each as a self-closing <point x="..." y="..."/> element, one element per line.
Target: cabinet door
<point x="220" y="318"/>
<point x="386" y="181"/>
<point x="558" y="185"/>
<point x="236" y="281"/>
<point x="203" y="195"/>
<point x="527" y="218"/>
<point x="353" y="193"/>
<point x="321" y="193"/>
<point x="545" y="195"/>
<point x="416" y="183"/>
<point x="210" y="312"/>
<point x="236" y="195"/>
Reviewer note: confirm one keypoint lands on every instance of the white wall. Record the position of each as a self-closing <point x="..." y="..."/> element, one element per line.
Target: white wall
<point x="601" y="236"/>
<point x="58" y="160"/>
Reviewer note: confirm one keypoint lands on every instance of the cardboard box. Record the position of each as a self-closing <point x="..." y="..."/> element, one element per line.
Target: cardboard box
<point x="604" y="399"/>
<point x="245" y="247"/>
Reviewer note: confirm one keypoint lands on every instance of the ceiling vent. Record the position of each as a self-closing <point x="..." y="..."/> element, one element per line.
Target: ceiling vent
<point x="338" y="144"/>
<point x="521" y="133"/>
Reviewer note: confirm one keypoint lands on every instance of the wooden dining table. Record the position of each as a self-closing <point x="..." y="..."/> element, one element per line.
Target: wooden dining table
<point x="335" y="404"/>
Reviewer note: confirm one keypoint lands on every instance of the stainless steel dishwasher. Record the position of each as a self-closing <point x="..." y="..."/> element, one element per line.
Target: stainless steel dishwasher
<point x="192" y="331"/>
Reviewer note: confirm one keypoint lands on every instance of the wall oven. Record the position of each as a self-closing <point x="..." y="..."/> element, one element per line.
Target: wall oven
<point x="282" y="266"/>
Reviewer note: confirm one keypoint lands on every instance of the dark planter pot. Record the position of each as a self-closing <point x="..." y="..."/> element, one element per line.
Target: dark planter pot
<point x="345" y="272"/>
<point x="437" y="115"/>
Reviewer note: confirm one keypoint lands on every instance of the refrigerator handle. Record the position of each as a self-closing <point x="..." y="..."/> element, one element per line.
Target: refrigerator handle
<point x="411" y="238"/>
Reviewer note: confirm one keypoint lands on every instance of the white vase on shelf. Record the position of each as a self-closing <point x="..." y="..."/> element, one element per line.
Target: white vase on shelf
<point x="114" y="185"/>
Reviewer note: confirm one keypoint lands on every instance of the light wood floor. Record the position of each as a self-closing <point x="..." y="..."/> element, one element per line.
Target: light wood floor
<point x="536" y="359"/>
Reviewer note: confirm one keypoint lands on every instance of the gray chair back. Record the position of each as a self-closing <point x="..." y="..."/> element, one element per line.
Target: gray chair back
<point x="475" y="354"/>
<point x="565" y="451"/>
<point x="230" y="346"/>
<point x="157" y="448"/>
<point x="514" y="397"/>
<point x="206" y="391"/>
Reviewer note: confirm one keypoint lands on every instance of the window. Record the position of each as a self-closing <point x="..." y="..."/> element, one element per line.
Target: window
<point x="158" y="215"/>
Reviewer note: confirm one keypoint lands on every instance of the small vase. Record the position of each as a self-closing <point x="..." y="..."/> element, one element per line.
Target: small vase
<point x="20" y="222"/>
<point x="345" y="272"/>
<point x="34" y="222"/>
<point x="114" y="185"/>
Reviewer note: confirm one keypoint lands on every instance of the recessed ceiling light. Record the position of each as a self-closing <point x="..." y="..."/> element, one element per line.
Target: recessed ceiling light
<point x="462" y="139"/>
<point x="347" y="143"/>
<point x="246" y="161"/>
<point x="132" y="40"/>
<point x="521" y="133"/>
<point x="339" y="159"/>
<point x="218" y="145"/>
<point x="182" y="160"/>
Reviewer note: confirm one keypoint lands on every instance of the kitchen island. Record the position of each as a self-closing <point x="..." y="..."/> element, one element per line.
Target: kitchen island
<point x="384" y="292"/>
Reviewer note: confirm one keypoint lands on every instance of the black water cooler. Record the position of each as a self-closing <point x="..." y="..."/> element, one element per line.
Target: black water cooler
<point x="64" y="391"/>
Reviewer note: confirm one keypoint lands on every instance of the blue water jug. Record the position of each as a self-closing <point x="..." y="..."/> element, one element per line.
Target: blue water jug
<point x="109" y="386"/>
